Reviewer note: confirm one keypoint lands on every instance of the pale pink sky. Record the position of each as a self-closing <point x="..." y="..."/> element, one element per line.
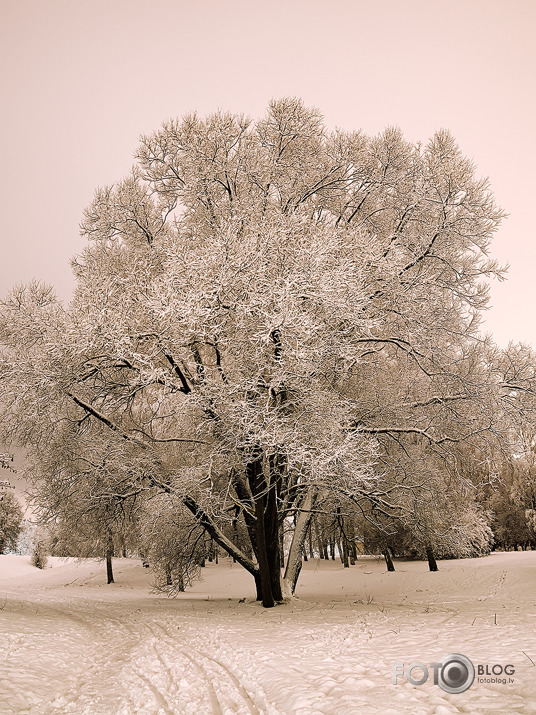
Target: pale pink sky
<point x="82" y="79"/>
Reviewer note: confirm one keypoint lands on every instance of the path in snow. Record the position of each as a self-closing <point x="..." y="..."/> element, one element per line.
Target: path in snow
<point x="71" y="644"/>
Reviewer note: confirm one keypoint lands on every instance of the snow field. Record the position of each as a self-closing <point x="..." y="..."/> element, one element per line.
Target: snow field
<point x="71" y="644"/>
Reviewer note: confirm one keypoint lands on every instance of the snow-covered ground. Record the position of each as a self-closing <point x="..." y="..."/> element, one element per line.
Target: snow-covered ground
<point x="69" y="643"/>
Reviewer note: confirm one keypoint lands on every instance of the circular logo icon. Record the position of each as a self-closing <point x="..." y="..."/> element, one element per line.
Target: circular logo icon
<point x="456" y="674"/>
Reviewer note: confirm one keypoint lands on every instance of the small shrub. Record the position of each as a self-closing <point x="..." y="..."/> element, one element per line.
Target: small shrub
<point x="39" y="555"/>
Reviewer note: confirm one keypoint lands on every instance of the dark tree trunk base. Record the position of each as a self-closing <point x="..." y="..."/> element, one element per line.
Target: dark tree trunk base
<point x="109" y="571"/>
<point x="388" y="560"/>
<point x="432" y="564"/>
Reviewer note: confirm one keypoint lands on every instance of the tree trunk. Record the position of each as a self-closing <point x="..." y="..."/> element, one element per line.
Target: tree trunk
<point x="432" y="565"/>
<point x="344" y="553"/>
<point x="294" y="560"/>
<point x="343" y="541"/>
<point x="271" y="527"/>
<point x="310" y="539"/>
<point x="388" y="559"/>
<point x="264" y="567"/>
<point x="320" y="541"/>
<point x="258" y="587"/>
<point x="254" y="472"/>
<point x="108" y="554"/>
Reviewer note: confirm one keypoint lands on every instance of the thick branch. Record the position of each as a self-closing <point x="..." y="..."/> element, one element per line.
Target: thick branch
<point x="176" y="369"/>
<point x="106" y="421"/>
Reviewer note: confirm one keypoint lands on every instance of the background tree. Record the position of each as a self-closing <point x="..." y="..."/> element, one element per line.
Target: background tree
<point x="510" y="496"/>
<point x="172" y="541"/>
<point x="83" y="493"/>
<point x="508" y="500"/>
<point x="40" y="547"/>
<point x="11" y="518"/>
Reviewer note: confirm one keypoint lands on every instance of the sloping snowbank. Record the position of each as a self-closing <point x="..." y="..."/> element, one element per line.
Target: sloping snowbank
<point x="70" y="643"/>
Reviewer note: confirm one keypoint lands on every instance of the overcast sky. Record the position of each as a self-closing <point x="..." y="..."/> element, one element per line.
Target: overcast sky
<point x="81" y="80"/>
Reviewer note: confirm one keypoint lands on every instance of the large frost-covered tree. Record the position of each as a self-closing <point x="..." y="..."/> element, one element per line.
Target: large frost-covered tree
<point x="260" y="309"/>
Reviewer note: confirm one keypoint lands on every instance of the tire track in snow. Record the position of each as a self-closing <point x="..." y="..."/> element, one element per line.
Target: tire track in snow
<point x="151" y="668"/>
<point x="230" y="689"/>
<point x="160" y="699"/>
<point x="214" y="700"/>
<point x="171" y="639"/>
<point x="173" y="643"/>
<point x="244" y="695"/>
